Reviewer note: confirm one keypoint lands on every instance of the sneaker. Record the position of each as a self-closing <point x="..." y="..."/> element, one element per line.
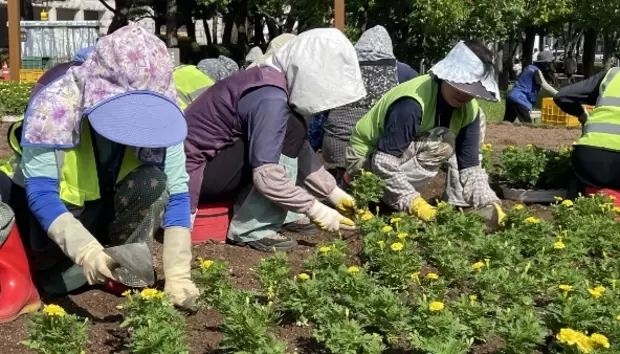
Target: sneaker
<point x="301" y="227"/>
<point x="275" y="242"/>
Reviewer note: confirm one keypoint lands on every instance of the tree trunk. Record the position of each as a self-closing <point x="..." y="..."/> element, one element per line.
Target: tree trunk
<point x="190" y="26"/>
<point x="229" y="22"/>
<point x="159" y="22"/>
<point x="273" y="28"/>
<point x="205" y="26"/>
<point x="504" y="79"/>
<point x="241" y="23"/>
<point x="528" y="46"/>
<point x="609" y="46"/>
<point x="171" y="24"/>
<point x="121" y="9"/>
<point x="259" y="36"/>
<point x="589" y="52"/>
<point x="215" y="22"/>
<point x="27" y="11"/>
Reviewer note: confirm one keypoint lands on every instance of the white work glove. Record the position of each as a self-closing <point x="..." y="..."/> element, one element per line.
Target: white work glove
<point x="328" y="219"/>
<point x="194" y="217"/>
<point x="344" y="203"/>
<point x="79" y="245"/>
<point x="177" y="267"/>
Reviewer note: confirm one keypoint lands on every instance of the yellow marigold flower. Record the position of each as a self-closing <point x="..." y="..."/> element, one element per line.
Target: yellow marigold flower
<point x="397" y="246"/>
<point x="566" y="288"/>
<point x="600" y="340"/>
<point x="353" y="269"/>
<point x="126" y="293"/>
<point x="472" y="298"/>
<point x="611" y="197"/>
<point x="532" y="220"/>
<point x="487" y="147"/>
<point x="558" y="199"/>
<point x="325" y="249"/>
<point x="402" y="235"/>
<point x="416" y="276"/>
<point x="206" y="264"/>
<point x="585" y="344"/>
<point x="568" y="203"/>
<point x="478" y="266"/>
<point x="381" y="244"/>
<point x="387" y="229"/>
<point x="54" y="310"/>
<point x="303" y="276"/>
<point x="568" y="336"/>
<point x="558" y="245"/>
<point x="366" y="217"/>
<point x="616" y="210"/>
<point x="395" y="220"/>
<point x="442" y="204"/>
<point x="436" y="306"/>
<point x="597" y="291"/>
<point x="519" y="207"/>
<point x="432" y="276"/>
<point x="149" y="294"/>
<point x="529" y="146"/>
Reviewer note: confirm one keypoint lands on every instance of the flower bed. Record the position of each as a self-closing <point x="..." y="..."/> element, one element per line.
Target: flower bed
<point x="530" y="174"/>
<point x="14" y="97"/>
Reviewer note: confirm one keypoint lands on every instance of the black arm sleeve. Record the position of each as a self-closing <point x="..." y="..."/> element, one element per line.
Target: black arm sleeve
<point x="571" y="98"/>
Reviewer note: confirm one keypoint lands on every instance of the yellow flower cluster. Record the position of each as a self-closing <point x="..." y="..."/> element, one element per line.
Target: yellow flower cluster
<point x="487" y="147"/>
<point x="519" y="207"/>
<point x="397" y="247"/>
<point x="325" y="249"/>
<point x="54" y="311"/>
<point x="532" y="220"/>
<point x="387" y="229"/>
<point x="366" y="215"/>
<point x="478" y="266"/>
<point x="436" y="306"/>
<point x="150" y="294"/>
<point x="303" y="276"/>
<point x="402" y="235"/>
<point x="432" y="276"/>
<point x="566" y="288"/>
<point x="395" y="220"/>
<point x="568" y="203"/>
<point x="581" y="340"/>
<point x="597" y="291"/>
<point x="353" y="269"/>
<point x="205" y="263"/>
<point x="558" y="245"/>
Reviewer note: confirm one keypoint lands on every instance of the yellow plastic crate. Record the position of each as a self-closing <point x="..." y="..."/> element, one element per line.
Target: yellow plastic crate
<point x="553" y="115"/>
<point x="30" y="75"/>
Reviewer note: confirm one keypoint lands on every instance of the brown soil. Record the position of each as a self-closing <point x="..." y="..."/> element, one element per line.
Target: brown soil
<point x="203" y="333"/>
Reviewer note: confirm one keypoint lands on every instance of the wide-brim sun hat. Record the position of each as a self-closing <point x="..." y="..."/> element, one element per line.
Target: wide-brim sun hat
<point x="159" y="129"/>
<point x="463" y="70"/>
<point x="124" y="89"/>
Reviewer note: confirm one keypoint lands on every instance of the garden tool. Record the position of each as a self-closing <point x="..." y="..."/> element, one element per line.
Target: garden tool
<point x="18" y="295"/>
<point x="136" y="258"/>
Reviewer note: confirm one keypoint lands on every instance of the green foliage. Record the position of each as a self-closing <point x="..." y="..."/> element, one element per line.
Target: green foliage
<point x="367" y="188"/>
<point x="534" y="167"/>
<point x="14" y="97"/>
<point x="156" y="326"/>
<point x="53" y="331"/>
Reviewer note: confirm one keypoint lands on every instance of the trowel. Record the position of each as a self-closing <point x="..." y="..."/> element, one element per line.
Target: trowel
<point x="136" y="258"/>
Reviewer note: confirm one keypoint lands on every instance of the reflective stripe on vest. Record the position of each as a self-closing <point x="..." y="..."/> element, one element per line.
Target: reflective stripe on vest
<point x="187" y="99"/>
<point x="608" y="101"/>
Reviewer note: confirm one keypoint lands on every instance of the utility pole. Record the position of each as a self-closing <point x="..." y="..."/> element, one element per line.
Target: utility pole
<point x="15" y="42"/>
<point x="339" y="14"/>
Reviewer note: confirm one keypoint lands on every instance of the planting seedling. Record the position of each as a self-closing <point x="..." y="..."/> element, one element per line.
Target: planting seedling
<point x="53" y="331"/>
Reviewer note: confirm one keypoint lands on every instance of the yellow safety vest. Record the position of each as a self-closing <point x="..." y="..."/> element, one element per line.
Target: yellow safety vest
<point x="190" y="83"/>
<point x="602" y="129"/>
<point x="77" y="168"/>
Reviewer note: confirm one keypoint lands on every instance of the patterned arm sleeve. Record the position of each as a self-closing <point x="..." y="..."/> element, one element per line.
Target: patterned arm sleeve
<point x="399" y="193"/>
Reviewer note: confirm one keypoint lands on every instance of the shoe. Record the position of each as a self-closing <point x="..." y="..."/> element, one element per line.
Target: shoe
<point x="302" y="227"/>
<point x="273" y="243"/>
<point x="18" y="295"/>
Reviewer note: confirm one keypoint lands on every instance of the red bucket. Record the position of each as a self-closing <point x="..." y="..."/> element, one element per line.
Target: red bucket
<point x="212" y="222"/>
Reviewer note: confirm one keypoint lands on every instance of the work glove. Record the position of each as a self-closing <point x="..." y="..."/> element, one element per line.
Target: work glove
<point x="493" y="216"/>
<point x="177" y="268"/>
<point x="422" y="210"/>
<point x="328" y="219"/>
<point x="193" y="218"/>
<point x="344" y="203"/>
<point x="82" y="248"/>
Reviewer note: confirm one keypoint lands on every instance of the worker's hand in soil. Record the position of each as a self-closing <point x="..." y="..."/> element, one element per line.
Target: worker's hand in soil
<point x="82" y="248"/>
<point x="493" y="216"/>
<point x="328" y="219"/>
<point x="177" y="267"/>
<point x="422" y="210"/>
<point x="343" y="202"/>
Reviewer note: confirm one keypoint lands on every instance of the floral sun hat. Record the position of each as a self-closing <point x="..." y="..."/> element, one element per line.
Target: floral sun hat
<point x="124" y="88"/>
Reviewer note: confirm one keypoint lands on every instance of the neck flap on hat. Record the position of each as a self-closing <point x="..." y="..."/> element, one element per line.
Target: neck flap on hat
<point x="462" y="66"/>
<point x="321" y="70"/>
<point x="253" y="54"/>
<point x="375" y="44"/>
<point x="218" y="68"/>
<point x="127" y="60"/>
